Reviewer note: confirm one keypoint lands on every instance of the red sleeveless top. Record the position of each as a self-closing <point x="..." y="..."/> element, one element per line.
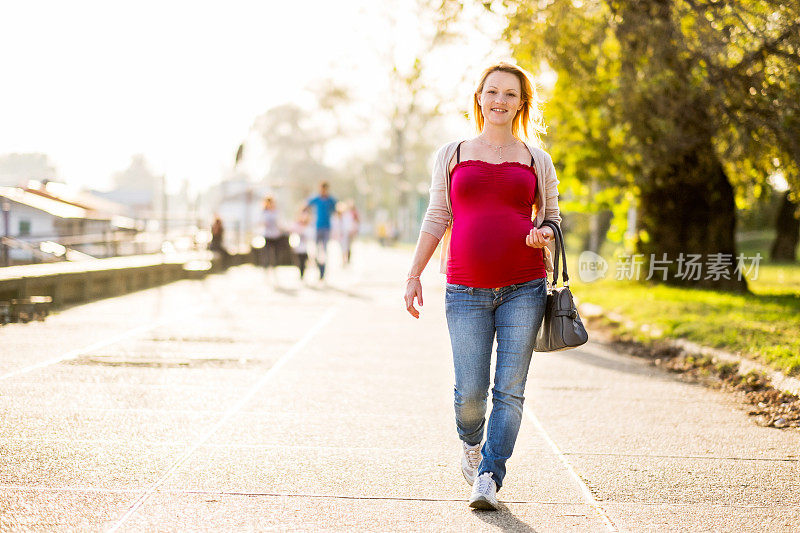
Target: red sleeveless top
<point x="491" y="205"/>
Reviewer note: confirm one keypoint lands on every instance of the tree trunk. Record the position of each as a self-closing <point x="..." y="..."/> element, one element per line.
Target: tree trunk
<point x="687" y="207"/>
<point x="787" y="232"/>
<point x="686" y="201"/>
<point x="599" y="224"/>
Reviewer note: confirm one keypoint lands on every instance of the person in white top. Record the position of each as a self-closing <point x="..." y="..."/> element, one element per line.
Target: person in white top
<point x="271" y="231"/>
<point x="348" y="228"/>
<point x="304" y="231"/>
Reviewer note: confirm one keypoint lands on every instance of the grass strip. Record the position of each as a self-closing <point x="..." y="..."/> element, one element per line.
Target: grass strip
<point x="764" y="325"/>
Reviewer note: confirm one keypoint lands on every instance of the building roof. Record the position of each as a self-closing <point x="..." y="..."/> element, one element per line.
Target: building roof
<point x="72" y="195"/>
<point x="54" y="207"/>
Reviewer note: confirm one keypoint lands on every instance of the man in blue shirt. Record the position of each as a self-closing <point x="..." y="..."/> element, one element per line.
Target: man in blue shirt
<point x="324" y="207"/>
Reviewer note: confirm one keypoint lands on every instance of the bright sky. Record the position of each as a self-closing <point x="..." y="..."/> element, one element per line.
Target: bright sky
<point x="91" y="83"/>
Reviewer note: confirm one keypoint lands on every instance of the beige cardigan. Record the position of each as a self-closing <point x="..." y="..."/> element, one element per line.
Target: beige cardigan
<point x="439" y="217"/>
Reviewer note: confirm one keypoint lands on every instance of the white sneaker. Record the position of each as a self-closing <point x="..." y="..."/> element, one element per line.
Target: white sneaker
<point x="470" y="461"/>
<point x="484" y="493"/>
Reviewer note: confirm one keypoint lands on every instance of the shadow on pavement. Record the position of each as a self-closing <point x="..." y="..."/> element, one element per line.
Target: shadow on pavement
<point x="345" y="292"/>
<point x="634" y="368"/>
<point x="503" y="519"/>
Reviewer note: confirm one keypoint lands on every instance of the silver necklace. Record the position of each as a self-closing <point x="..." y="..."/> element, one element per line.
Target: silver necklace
<point x="498" y="149"/>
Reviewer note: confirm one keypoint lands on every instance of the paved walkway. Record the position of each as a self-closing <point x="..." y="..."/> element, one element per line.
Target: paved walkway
<point x="233" y="403"/>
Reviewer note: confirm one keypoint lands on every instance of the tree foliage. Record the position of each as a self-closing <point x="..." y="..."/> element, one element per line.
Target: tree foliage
<point x="681" y="98"/>
<point x="635" y="64"/>
<point x="16" y="168"/>
<point x="295" y="144"/>
<point x="586" y="131"/>
<point x="138" y="176"/>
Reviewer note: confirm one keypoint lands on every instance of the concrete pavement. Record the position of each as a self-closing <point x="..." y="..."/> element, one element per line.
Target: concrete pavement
<point x="235" y="403"/>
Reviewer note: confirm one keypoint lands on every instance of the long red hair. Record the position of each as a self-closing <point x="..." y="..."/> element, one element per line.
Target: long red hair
<point x="528" y="123"/>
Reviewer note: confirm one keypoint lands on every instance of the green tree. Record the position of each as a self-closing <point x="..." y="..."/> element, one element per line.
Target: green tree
<point x="413" y="111"/>
<point x="705" y="94"/>
<point x="296" y="148"/>
<point x="586" y="134"/>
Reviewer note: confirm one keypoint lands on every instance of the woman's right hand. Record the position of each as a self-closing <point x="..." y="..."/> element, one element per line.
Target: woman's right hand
<point x="413" y="290"/>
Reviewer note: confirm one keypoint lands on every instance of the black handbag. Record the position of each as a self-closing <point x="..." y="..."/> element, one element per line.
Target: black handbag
<point x="561" y="328"/>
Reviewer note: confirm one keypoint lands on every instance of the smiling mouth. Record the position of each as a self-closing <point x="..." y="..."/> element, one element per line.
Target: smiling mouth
<point x="498" y="110"/>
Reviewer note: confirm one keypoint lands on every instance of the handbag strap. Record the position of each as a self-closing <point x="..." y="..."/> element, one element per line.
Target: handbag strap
<point x="560" y="250"/>
<point x="564" y="275"/>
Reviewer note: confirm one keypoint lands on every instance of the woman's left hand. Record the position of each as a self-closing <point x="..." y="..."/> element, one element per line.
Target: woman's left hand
<point x="539" y="237"/>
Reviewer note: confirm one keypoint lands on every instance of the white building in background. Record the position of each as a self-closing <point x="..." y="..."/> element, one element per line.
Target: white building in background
<point x="136" y="204"/>
<point x="34" y="217"/>
<point x="238" y="201"/>
<point x="138" y="188"/>
<point x="99" y="208"/>
<point x="54" y="214"/>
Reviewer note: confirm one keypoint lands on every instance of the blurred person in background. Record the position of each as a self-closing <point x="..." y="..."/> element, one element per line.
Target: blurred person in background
<point x="324" y="206"/>
<point x="271" y="230"/>
<point x="383" y="233"/>
<point x="217" y="239"/>
<point x="304" y="231"/>
<point x="348" y="228"/>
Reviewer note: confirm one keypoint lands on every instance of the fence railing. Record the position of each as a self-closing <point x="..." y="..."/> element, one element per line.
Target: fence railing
<point x="38" y="249"/>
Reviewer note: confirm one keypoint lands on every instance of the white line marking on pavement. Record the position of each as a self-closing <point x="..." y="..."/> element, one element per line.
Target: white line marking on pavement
<point x="70" y="488"/>
<point x="103" y="490"/>
<point x="587" y="494"/>
<point x="267" y="445"/>
<point x="118" y="385"/>
<point x="249" y="494"/>
<point x="323" y="321"/>
<point x="100" y="344"/>
<point x="176" y="443"/>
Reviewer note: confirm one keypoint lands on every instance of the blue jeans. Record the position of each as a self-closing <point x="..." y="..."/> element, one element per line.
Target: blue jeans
<point x="474" y="315"/>
<point x="323" y="235"/>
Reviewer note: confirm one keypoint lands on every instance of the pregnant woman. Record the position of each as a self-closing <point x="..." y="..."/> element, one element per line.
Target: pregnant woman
<point x="488" y="198"/>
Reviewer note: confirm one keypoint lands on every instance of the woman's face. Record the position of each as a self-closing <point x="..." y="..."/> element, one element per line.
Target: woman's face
<point x="501" y="98"/>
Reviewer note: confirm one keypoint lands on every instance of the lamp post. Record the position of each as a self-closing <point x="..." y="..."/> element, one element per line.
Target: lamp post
<point x="164" y="229"/>
<point x="6" y="231"/>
